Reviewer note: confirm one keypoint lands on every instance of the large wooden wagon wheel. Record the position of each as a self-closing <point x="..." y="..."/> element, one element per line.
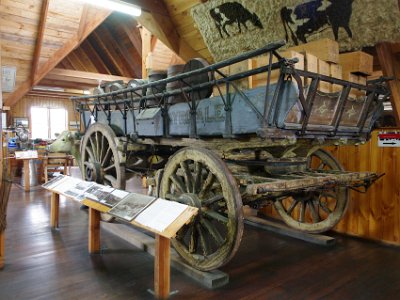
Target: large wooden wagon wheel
<point x="198" y="177"/>
<point x="316" y="211"/>
<point x="101" y="161"/>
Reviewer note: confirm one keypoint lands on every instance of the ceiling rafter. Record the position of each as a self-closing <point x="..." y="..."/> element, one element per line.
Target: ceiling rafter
<point x="57" y="57"/>
<point x="128" y="56"/>
<point x="133" y="34"/>
<point x="109" y="36"/>
<point x="82" y="22"/>
<point x="163" y="28"/>
<point x="88" y="78"/>
<point x="108" y="54"/>
<point x="94" y="56"/>
<point x="39" y="41"/>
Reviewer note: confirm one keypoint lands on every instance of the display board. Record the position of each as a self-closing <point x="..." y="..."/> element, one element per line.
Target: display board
<point x="154" y="214"/>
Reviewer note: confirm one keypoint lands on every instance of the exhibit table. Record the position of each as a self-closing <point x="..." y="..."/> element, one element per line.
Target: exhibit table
<point x="155" y="211"/>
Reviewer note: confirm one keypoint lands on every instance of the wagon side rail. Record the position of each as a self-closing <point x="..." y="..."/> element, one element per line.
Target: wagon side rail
<point x="274" y="115"/>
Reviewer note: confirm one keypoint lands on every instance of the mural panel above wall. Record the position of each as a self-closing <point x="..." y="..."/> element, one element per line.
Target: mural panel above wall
<point x="232" y="27"/>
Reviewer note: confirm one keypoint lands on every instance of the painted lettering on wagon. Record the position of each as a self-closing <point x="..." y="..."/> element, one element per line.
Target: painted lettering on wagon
<point x="205" y="115"/>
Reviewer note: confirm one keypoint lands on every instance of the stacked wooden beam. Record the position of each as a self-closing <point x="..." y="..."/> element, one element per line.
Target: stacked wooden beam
<point x="321" y="57"/>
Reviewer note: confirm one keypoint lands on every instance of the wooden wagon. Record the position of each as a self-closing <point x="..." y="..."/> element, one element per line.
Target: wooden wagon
<point x="221" y="151"/>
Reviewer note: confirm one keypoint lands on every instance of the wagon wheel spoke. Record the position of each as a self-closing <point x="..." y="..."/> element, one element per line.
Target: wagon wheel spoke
<point x="100" y="156"/>
<point x="213" y="231"/>
<point x="292" y="206"/>
<point x="302" y="211"/>
<point x="111" y="179"/>
<point x="214" y="215"/>
<point x="106" y="157"/>
<point x="313" y="211"/>
<point x="112" y="166"/>
<point x="93" y="147"/>
<point x="324" y="204"/>
<point x="102" y="148"/>
<point x="212" y="200"/>
<point x="193" y="239"/>
<point x="207" y="185"/>
<point x="197" y="177"/>
<point x="203" y="242"/>
<point x="91" y="155"/>
<point x="178" y="183"/>
<point x="187" y="175"/>
<point x="98" y="146"/>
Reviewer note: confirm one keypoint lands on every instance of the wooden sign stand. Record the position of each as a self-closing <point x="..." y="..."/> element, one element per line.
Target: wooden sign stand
<point x="162" y="247"/>
<point x="2" y="251"/>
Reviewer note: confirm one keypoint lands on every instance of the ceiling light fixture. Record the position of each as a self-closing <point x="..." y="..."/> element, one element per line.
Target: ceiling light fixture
<point x="117" y="5"/>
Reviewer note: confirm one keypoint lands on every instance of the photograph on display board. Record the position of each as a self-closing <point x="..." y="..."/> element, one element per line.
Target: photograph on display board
<point x="78" y="191"/>
<point x="98" y="192"/>
<point x="53" y="182"/>
<point x="114" y="197"/>
<point x="128" y="208"/>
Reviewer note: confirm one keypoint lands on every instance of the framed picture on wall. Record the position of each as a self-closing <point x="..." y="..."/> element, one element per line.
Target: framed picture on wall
<point x="21" y="121"/>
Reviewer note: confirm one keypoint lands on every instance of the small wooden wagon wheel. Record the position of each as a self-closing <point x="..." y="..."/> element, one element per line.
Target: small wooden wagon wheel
<point x="198" y="177"/>
<point x="317" y="211"/>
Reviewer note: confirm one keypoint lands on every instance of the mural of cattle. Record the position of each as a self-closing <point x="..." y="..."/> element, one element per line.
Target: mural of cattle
<point x="230" y="13"/>
<point x="316" y="15"/>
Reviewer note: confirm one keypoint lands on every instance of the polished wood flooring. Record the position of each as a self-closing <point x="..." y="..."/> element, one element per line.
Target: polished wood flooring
<point x="46" y="264"/>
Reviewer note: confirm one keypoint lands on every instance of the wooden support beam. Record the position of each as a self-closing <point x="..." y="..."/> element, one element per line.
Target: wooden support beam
<point x="165" y="30"/>
<point x="82" y="22"/>
<point x="87" y="47"/>
<point x="57" y="57"/>
<point x="39" y="40"/>
<point x="109" y="55"/>
<point x="72" y="75"/>
<point x="125" y="58"/>
<point x="2" y="249"/>
<point x="146" y="49"/>
<point x="133" y="34"/>
<point x="391" y="68"/>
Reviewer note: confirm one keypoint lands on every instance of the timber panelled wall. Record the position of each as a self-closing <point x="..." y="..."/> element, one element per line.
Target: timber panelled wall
<point x="376" y="214"/>
<point x="23" y="107"/>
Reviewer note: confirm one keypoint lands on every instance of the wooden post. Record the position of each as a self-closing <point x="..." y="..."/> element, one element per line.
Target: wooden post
<point x="94" y="231"/>
<point x="2" y="251"/>
<point x="146" y="49"/>
<point x="54" y="210"/>
<point x="162" y="267"/>
<point x="26" y="175"/>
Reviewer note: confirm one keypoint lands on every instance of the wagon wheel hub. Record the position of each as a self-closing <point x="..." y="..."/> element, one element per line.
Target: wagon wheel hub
<point x="190" y="199"/>
<point x="93" y="172"/>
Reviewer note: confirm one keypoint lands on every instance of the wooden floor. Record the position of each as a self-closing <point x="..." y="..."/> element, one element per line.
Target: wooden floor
<point x="46" y="264"/>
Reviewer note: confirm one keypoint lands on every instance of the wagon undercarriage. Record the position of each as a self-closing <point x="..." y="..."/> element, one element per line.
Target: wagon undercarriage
<point x="253" y="147"/>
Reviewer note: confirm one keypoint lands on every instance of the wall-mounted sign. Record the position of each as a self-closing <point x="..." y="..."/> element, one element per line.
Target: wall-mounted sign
<point x="389" y="139"/>
<point x="8" y="75"/>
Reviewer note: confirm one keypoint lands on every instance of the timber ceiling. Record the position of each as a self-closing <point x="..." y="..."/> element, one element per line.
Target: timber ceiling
<point x="69" y="44"/>
<point x="66" y="44"/>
